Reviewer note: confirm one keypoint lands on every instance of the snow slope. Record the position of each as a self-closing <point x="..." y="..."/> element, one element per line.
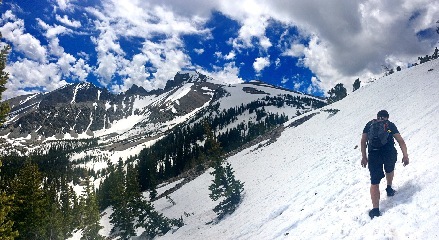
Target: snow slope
<point x="310" y="184"/>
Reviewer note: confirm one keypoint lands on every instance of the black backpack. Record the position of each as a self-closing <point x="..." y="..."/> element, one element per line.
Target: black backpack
<point x="378" y="134"/>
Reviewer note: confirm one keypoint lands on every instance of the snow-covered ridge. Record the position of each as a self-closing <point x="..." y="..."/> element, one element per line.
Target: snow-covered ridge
<point x="310" y="185"/>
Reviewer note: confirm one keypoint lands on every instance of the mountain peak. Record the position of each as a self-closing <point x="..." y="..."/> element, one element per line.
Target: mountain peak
<point x="136" y="90"/>
<point x="183" y="77"/>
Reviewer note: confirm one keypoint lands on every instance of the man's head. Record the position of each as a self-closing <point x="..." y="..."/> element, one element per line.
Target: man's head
<point x="383" y="115"/>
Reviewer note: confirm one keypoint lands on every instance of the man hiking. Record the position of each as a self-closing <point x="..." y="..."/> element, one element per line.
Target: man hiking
<point x="378" y="137"/>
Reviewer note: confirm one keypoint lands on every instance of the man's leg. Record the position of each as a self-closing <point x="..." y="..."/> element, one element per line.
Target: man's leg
<point x="389" y="167"/>
<point x="389" y="178"/>
<point x="375" y="195"/>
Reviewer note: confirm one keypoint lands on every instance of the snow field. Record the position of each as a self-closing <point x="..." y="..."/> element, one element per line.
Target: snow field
<point x="310" y="184"/>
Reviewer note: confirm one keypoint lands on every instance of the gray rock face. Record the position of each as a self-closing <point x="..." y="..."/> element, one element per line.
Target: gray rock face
<point x="85" y="108"/>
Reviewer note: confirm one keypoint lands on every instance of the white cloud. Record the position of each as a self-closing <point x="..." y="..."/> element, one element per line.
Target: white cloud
<point x="64" y="4"/>
<point x="33" y="75"/>
<point x="277" y="63"/>
<point x="135" y="73"/>
<point x="199" y="51"/>
<point x="108" y="65"/>
<point x="167" y="58"/>
<point x="141" y="20"/>
<point x="66" y="21"/>
<point x="253" y="27"/>
<point x="314" y="87"/>
<point x="81" y="69"/>
<point x="65" y="62"/>
<point x="261" y="63"/>
<point x="297" y="85"/>
<point x="356" y="36"/>
<point x="338" y="40"/>
<point x="230" y="56"/>
<point x="227" y="74"/>
<point x="296" y="50"/>
<point x="13" y="31"/>
<point x="55" y="48"/>
<point x="317" y="58"/>
<point x="39" y="69"/>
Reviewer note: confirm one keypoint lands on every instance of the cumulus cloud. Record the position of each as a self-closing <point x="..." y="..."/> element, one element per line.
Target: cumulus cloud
<point x="13" y="30"/>
<point x="261" y="63"/>
<point x="52" y="31"/>
<point x="41" y="68"/>
<point x="144" y="21"/>
<point x="39" y="77"/>
<point x="230" y="56"/>
<point x="337" y="40"/>
<point x="66" y="21"/>
<point x="64" y="4"/>
<point x="296" y="50"/>
<point x="357" y="37"/>
<point x="228" y="74"/>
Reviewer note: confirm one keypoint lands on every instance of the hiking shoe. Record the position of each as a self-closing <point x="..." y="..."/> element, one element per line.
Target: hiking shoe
<point x="374" y="213"/>
<point x="390" y="191"/>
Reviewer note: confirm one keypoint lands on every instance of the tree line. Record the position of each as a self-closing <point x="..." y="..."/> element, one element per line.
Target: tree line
<point x="186" y="148"/>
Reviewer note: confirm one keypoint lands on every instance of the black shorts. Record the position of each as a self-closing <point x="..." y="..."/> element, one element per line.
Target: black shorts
<point x="378" y="159"/>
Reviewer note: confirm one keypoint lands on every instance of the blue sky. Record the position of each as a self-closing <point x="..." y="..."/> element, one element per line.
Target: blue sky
<point x="307" y="46"/>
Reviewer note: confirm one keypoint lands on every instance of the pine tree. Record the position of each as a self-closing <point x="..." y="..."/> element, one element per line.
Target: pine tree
<point x="4" y="76"/>
<point x="122" y="217"/>
<point x="213" y="148"/>
<point x="54" y="226"/>
<point x="227" y="188"/>
<point x="155" y="223"/>
<point x="67" y="203"/>
<point x="90" y="214"/>
<point x="6" y="201"/>
<point x="6" y="224"/>
<point x="31" y="205"/>
<point x="132" y="190"/>
<point x="337" y="93"/>
<point x="356" y="85"/>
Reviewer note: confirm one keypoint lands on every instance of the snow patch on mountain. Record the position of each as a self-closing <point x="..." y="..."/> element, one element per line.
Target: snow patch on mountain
<point x="181" y="92"/>
<point x="120" y="126"/>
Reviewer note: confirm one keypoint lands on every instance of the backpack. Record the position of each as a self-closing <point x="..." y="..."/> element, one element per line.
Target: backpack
<point x="378" y="134"/>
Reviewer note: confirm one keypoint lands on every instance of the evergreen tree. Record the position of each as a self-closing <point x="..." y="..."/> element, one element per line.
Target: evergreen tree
<point x="356" y="85"/>
<point x="67" y="202"/>
<point x="6" y="201"/>
<point x="6" y="224"/>
<point x="337" y="93"/>
<point x="90" y="214"/>
<point x="225" y="187"/>
<point x="213" y="148"/>
<point x="122" y="217"/>
<point x="4" y="76"/>
<point x="54" y="226"/>
<point x="155" y="223"/>
<point x="31" y="205"/>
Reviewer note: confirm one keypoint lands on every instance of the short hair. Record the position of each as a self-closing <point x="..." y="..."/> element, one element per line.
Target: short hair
<point x="383" y="113"/>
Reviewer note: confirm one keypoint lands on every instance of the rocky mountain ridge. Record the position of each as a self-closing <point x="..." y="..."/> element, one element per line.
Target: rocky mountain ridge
<point x="82" y="110"/>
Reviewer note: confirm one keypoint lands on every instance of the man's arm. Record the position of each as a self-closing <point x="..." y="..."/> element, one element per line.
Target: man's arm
<point x="363" y="149"/>
<point x="403" y="146"/>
